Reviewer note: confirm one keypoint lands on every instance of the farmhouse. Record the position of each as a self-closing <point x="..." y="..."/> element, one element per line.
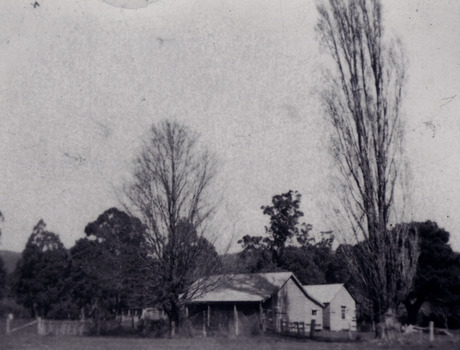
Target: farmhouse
<point x="339" y="312"/>
<point x="247" y="303"/>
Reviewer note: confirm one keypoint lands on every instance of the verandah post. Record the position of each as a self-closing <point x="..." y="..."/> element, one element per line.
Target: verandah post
<point x="204" y="324"/>
<point x="261" y="317"/>
<point x="235" y="316"/>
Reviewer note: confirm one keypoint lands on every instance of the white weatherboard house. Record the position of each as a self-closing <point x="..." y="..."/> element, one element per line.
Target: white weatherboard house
<point x="339" y="311"/>
<point x="267" y="299"/>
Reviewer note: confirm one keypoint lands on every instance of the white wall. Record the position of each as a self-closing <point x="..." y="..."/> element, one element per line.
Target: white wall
<point x="297" y="306"/>
<point x="337" y="323"/>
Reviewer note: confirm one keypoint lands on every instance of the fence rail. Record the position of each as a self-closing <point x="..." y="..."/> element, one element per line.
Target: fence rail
<point x="293" y="328"/>
<point x="64" y="327"/>
<point x="300" y="329"/>
<point x="10" y="330"/>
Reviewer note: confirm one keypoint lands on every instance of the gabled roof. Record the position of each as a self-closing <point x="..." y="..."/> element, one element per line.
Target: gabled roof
<point x="323" y="292"/>
<point x="256" y="287"/>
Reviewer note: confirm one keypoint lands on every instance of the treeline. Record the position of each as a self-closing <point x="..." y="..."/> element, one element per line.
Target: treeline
<point x="156" y="258"/>
<point x="103" y="274"/>
<point x="289" y="245"/>
<point x="97" y="277"/>
<point x="110" y="269"/>
<point x="435" y="295"/>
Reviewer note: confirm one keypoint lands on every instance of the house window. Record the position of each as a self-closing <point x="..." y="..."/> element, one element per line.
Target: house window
<point x="313" y="312"/>
<point x="344" y="309"/>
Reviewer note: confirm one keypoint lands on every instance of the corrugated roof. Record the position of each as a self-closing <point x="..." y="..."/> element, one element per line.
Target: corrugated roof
<point x="245" y="287"/>
<point x="242" y="287"/>
<point x="323" y="292"/>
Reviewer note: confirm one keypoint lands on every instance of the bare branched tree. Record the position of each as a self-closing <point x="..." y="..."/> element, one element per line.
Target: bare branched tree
<point x="362" y="100"/>
<point x="170" y="193"/>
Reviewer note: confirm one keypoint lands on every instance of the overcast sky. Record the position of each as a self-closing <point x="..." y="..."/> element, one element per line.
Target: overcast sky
<point x="82" y="80"/>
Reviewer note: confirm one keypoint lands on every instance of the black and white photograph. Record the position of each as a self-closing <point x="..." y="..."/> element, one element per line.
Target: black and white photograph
<point x="229" y="174"/>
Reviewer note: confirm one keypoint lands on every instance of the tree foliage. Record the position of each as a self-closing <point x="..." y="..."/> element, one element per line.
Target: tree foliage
<point x="170" y="192"/>
<point x="121" y="241"/>
<point x="289" y="245"/>
<point x="362" y="101"/>
<point x="41" y="272"/>
<point x="284" y="225"/>
<point x="438" y="275"/>
<point x="108" y="266"/>
<point x="3" y="280"/>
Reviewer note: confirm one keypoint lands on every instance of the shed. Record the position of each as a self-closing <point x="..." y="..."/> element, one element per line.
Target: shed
<point x="241" y="302"/>
<point x="339" y="311"/>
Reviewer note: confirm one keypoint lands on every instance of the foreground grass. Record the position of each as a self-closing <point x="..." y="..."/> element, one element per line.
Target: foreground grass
<point x="253" y="343"/>
<point x="28" y="339"/>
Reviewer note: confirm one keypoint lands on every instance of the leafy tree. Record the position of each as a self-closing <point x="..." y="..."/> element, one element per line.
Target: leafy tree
<point x="284" y="216"/>
<point x="314" y="262"/>
<point x="255" y="257"/>
<point x="301" y="261"/>
<point x="284" y="225"/>
<point x="170" y="191"/>
<point x="41" y="271"/>
<point x="311" y="261"/>
<point x="362" y="100"/>
<point x="275" y="251"/>
<point x="438" y="272"/>
<point x="91" y="293"/>
<point x="3" y="280"/>
<point x="121" y="241"/>
<point x="107" y="267"/>
<point x="187" y="258"/>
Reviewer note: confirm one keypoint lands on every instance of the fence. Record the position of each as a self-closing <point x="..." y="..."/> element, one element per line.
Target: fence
<point x="299" y="329"/>
<point x="64" y="327"/>
<point x="10" y="330"/>
<point x="293" y="328"/>
<point x="51" y="327"/>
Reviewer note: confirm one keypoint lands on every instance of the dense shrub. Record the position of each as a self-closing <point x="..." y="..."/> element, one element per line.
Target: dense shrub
<point x="9" y="306"/>
<point x="153" y="328"/>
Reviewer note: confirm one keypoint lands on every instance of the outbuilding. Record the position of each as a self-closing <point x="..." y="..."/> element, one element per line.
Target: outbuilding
<point x="339" y="311"/>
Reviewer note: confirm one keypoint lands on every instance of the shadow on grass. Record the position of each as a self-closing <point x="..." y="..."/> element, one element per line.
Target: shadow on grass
<point x="326" y="338"/>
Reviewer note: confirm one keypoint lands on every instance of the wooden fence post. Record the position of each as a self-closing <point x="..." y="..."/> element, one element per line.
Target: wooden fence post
<point x="8" y="323"/>
<point x="431" y="331"/>
<point x="39" y="326"/>
<point x="312" y="328"/>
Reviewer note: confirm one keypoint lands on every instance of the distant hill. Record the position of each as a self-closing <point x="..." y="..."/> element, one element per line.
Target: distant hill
<point x="10" y="259"/>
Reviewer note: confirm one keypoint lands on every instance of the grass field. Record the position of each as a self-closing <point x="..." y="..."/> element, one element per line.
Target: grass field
<point x="28" y="339"/>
